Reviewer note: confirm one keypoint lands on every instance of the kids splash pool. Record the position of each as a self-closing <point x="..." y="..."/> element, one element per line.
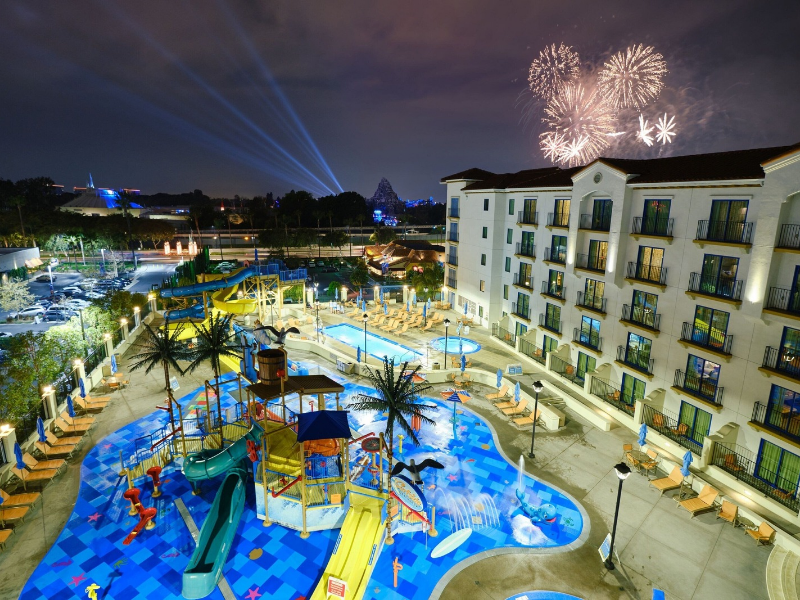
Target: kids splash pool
<point x="456" y="345"/>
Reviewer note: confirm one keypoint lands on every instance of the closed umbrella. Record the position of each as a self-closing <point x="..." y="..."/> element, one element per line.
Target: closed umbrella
<point x="463" y="363"/>
<point x="460" y="346"/>
<point x="408" y="305"/>
<point x="385" y="309"/>
<point x="687" y="460"/>
<point x="256" y="255"/>
<point x="70" y="407"/>
<point x="82" y="385"/>
<point x="380" y="295"/>
<point x="643" y="434"/>
<point x="424" y="311"/>
<point x="18" y="454"/>
<point x="466" y="307"/>
<point x="499" y="377"/>
<point x="40" y="430"/>
<point x="429" y="304"/>
<point x="458" y="328"/>
<point x="113" y="364"/>
<point x="336" y="294"/>
<point x="358" y="354"/>
<point x="516" y="392"/>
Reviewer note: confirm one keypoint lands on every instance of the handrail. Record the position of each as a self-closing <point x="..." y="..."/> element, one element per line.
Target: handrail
<point x="299" y="478"/>
<point x="169" y="435"/>
<point x="413" y="512"/>
<point x="358" y="439"/>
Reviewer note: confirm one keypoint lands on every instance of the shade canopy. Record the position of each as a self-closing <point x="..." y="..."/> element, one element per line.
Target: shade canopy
<point x="323" y="425"/>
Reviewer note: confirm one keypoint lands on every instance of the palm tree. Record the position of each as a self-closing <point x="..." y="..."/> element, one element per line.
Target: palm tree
<point x="399" y="399"/>
<point x="19" y="202"/>
<point x="428" y="276"/>
<point x="215" y="340"/>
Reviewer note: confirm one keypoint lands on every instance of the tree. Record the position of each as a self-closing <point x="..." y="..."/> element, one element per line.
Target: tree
<point x="162" y="347"/>
<point x="428" y="276"/>
<point x="125" y="203"/>
<point x="332" y="287"/>
<point x="337" y="239"/>
<point x="215" y="341"/>
<point x="399" y="399"/>
<point x="15" y="295"/>
<point x="360" y="276"/>
<point x="383" y="235"/>
<point x="19" y="202"/>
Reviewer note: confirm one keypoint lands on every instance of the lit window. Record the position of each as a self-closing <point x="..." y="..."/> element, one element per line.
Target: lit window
<point x="483" y="285"/>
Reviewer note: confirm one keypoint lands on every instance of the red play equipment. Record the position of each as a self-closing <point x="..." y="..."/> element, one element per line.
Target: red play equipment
<point x="154" y="472"/>
<point x="132" y="494"/>
<point x="146" y="516"/>
<point x="252" y="450"/>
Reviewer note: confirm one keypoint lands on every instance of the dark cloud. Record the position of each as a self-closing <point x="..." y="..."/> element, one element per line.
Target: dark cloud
<point x="168" y="95"/>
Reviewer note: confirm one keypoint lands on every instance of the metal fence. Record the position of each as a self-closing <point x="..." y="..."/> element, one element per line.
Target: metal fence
<point x="590" y="262"/>
<point x="612" y="395"/>
<point x="592" y="301"/>
<point x="556" y="255"/>
<point x="528" y="250"/>
<point x="722" y="287"/>
<point x="504" y="335"/>
<point x="596" y="223"/>
<point x="635" y="359"/>
<point x="789" y="237"/>
<point x="526" y="217"/>
<point x="591" y="339"/>
<point x="780" y="418"/>
<point x="785" y="362"/>
<point x="707" y="337"/>
<point x="783" y="299"/>
<point x="565" y="369"/>
<point x="668" y="425"/>
<point x="554" y="290"/>
<point x="531" y="350"/>
<point x="646" y="272"/>
<point x="699" y="386"/>
<point x="550" y="323"/>
<point x="661" y="226"/>
<point x="641" y="316"/>
<point x="558" y="219"/>
<point x="521" y="310"/>
<point x="736" y="232"/>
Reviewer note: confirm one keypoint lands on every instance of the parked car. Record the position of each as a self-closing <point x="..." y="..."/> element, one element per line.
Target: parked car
<point x="412" y="231"/>
<point x="77" y="303"/>
<point x="312" y="263"/>
<point x="72" y="289"/>
<point x="95" y="295"/>
<point x="30" y="311"/>
<point x="5" y="335"/>
<point x="46" y="278"/>
<point x="58" y="314"/>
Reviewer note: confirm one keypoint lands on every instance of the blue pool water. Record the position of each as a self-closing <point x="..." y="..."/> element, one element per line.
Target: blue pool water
<point x="456" y="345"/>
<point x="377" y="346"/>
<point x="542" y="595"/>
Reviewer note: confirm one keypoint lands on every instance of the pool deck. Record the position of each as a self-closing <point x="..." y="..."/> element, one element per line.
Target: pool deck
<point x="691" y="559"/>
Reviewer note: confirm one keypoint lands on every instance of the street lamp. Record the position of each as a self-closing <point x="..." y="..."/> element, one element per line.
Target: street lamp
<point x="622" y="470"/>
<point x="316" y="290"/>
<point x="365" y="317"/>
<point x="446" y="325"/>
<point x="537" y="387"/>
<point x="316" y="305"/>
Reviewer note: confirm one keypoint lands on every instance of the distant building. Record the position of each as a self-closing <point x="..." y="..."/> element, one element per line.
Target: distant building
<point x="100" y="202"/>
<point x="397" y="257"/>
<point x="14" y="258"/>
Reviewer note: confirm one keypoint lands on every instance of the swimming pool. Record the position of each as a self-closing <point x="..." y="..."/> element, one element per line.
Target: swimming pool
<point x="377" y="346"/>
<point x="456" y="345"/>
<point x="542" y="595"/>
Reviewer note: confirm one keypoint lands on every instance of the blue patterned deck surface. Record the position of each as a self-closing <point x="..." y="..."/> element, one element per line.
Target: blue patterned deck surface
<point x="274" y="562"/>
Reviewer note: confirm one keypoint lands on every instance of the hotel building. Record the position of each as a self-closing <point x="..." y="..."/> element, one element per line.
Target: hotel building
<point x="662" y="291"/>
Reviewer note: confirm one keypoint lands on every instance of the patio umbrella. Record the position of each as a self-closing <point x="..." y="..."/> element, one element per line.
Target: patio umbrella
<point x="424" y="311"/>
<point x="460" y="345"/>
<point x="643" y="434"/>
<point x="18" y="454"/>
<point x="415" y="377"/>
<point x="687" y="460"/>
<point x="256" y="255"/>
<point x="113" y="364"/>
<point x="516" y="393"/>
<point x="463" y="363"/>
<point x="40" y="430"/>
<point x="466" y="307"/>
<point x="455" y="396"/>
<point x="70" y="407"/>
<point x="380" y="295"/>
<point x="499" y="377"/>
<point x="429" y="304"/>
<point x="408" y="305"/>
<point x="385" y="309"/>
<point x="336" y="294"/>
<point x="458" y="328"/>
<point x="82" y="385"/>
<point x="358" y="354"/>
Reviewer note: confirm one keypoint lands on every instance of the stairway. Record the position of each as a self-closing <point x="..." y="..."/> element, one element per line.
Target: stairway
<point x="783" y="574"/>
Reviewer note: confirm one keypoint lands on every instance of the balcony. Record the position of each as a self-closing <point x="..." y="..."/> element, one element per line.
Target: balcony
<point x="728" y="233"/>
<point x="591" y="302"/>
<point x="588" y="339"/>
<point x="644" y="273"/>
<point x="565" y="369"/>
<point x="712" y="340"/>
<point x="559" y="292"/>
<point x="781" y="420"/>
<point x="451" y="283"/>
<point x="667" y="425"/>
<point x="527" y="217"/>
<point x="612" y="395"/>
<point x="636" y="360"/>
<point x="741" y="463"/>
<point x="452" y="260"/>
<point x="699" y="388"/>
<point x="526" y="250"/>
<point x="523" y="311"/>
<point x="595" y="223"/>
<point x="555" y="255"/>
<point x="781" y="362"/>
<point x="453" y="212"/>
<point x="452" y="237"/>
<point x="783" y="302"/>
<point x="655" y="228"/>
<point x="523" y="280"/>
<point x="558" y="220"/>
<point x="719" y="288"/>
<point x="549" y="323"/>
<point x="504" y="335"/>
<point x="639" y="316"/>
<point x="532" y="351"/>
<point x="587" y="262"/>
<point x="789" y="239"/>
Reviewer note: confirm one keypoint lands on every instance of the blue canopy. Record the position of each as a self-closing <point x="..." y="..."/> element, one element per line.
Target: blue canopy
<point x="463" y="363"/>
<point x="83" y="387"/>
<point x="70" y="407"/>
<point x="323" y="425"/>
<point x="113" y="364"/>
<point x="40" y="430"/>
<point x="499" y="377"/>
<point x="18" y="454"/>
<point x="516" y="392"/>
<point x="643" y="434"/>
<point x="358" y="353"/>
<point x="687" y="460"/>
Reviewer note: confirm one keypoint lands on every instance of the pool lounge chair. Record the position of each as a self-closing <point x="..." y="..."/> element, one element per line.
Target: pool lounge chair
<point x="88" y="421"/>
<point x="428" y="326"/>
<point x="626" y="449"/>
<point x="762" y="535"/>
<point x="12" y="514"/>
<point x="527" y="420"/>
<point x="89" y="406"/>
<point x="15" y="500"/>
<point x="55" y="451"/>
<point x="517" y="410"/>
<point x="728" y="512"/>
<point x="389" y="326"/>
<point x="4" y="535"/>
<point x="672" y="482"/>
<point x="62" y="441"/>
<point x="508" y="404"/>
<point x="402" y="330"/>
<point x="43" y="465"/>
<point x="33" y="476"/>
<point x="502" y="393"/>
<point x="704" y="501"/>
<point x="67" y="428"/>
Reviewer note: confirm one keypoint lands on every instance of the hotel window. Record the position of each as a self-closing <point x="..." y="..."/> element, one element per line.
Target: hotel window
<point x="511" y="206"/>
<point x="485" y="233"/>
<point x="561" y="213"/>
<point x="509" y="236"/>
<point x="783" y="410"/>
<point x="586" y="364"/>
<point x="525" y="275"/>
<point x="549" y="345"/>
<point x="696" y="422"/>
<point x="483" y="260"/>
<point x="644" y="308"/>
<point x="527" y="246"/>
<point x="632" y="389"/>
<point x="590" y="332"/>
<point x="505" y="291"/>
<point x="558" y="251"/>
<point x="637" y="351"/>
<point x="508" y="264"/>
<point x="555" y="283"/>
<point x="485" y="204"/>
<point x="552" y="317"/>
<point x="656" y="217"/>
<point x="598" y="250"/>
<point x="520" y="329"/>
<point x="778" y="467"/>
<point x="648" y="268"/>
<point x="710" y="326"/>
<point x="789" y="355"/>
<point x="701" y="377"/>
<point x="480" y="312"/>
<point x="718" y="276"/>
<point x="483" y="285"/>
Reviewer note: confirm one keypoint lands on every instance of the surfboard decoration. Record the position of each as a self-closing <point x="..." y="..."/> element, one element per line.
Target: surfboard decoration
<point x="408" y="493"/>
<point x="451" y="542"/>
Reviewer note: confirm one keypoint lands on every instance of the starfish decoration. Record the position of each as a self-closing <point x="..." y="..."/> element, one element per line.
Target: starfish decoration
<point x="252" y="594"/>
<point x="106" y="446"/>
<point x="95" y="517"/>
<point x="452" y="477"/>
<point x="78" y="579"/>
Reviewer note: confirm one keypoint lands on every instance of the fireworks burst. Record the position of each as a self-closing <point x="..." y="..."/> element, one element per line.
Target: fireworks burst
<point x="555" y="67"/>
<point x="645" y="131"/>
<point x="633" y="78"/>
<point x="583" y="121"/>
<point x="665" y="129"/>
<point x="553" y="146"/>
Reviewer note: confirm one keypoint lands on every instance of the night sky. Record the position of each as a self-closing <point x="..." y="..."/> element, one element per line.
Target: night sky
<point x="175" y="95"/>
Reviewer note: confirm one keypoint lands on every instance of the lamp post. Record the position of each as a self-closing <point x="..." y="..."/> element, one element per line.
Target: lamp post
<point x="537" y="387"/>
<point x="622" y="470"/>
<point x="446" y="326"/>
<point x="365" y="317"/>
<point x="316" y="305"/>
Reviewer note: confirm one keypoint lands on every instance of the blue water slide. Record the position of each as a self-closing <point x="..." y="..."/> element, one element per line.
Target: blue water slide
<point x="194" y="311"/>
<point x="234" y="279"/>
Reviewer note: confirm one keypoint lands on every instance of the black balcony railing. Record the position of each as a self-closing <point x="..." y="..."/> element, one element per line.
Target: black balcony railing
<point x="789" y="237"/>
<point x="783" y="300"/>
<point x="783" y="419"/>
<point x="556" y="255"/>
<point x="558" y="219"/>
<point x="702" y="387"/>
<point x="667" y="425"/>
<point x="645" y="272"/>
<point x="554" y="290"/>
<point x="453" y="212"/>
<point x="591" y="339"/>
<point x="565" y="369"/>
<point x="742" y="464"/>
<point x="504" y="335"/>
<point x="451" y="282"/>
<point x="707" y="337"/>
<point x="613" y="396"/>
<point x="592" y="301"/>
<point x="643" y="316"/>
<point x="550" y="323"/>
<point x="782" y="360"/>
<point x="596" y="222"/>
<point x="527" y="217"/>
<point x="635" y="359"/>
<point x="452" y="236"/>
<point x="719" y="287"/>
<point x="452" y="260"/>
<point x="521" y="310"/>
<point x="528" y="250"/>
<point x="532" y="351"/>
<point x="734" y="232"/>
<point x="661" y="226"/>
<point x="591" y="262"/>
<point x="523" y="280"/>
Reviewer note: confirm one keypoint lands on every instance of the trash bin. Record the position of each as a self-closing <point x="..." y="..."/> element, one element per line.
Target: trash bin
<point x="436" y="366"/>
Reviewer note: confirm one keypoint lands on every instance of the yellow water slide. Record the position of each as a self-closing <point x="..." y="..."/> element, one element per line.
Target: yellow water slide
<point x="221" y="298"/>
<point x="356" y="550"/>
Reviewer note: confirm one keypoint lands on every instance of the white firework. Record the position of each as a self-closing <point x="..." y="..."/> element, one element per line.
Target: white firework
<point x="553" y="146"/>
<point x="633" y="78"/>
<point x="555" y="67"/>
<point x="645" y="131"/>
<point x="584" y="121"/>
<point x="665" y="129"/>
